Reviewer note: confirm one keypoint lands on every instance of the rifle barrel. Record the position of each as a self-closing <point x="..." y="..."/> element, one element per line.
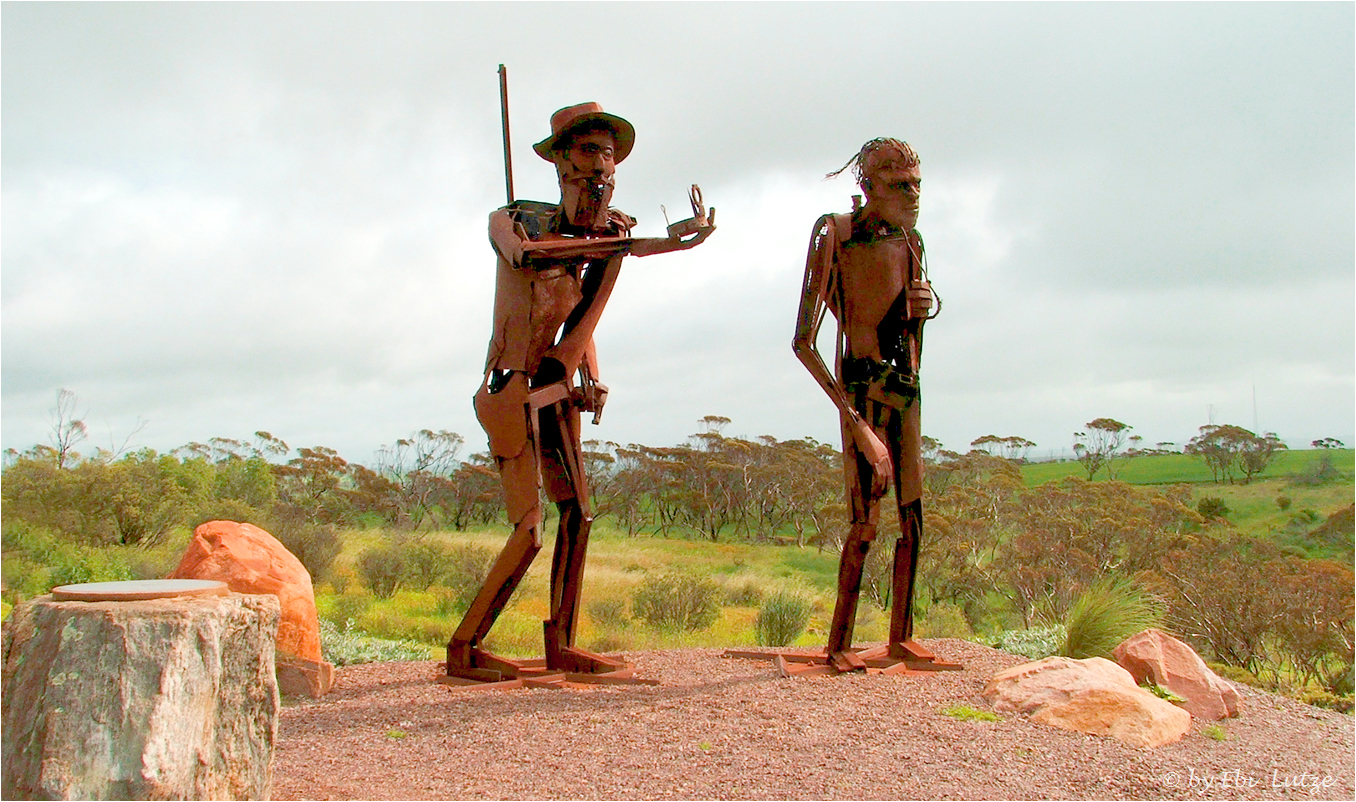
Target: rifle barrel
<point x="504" y="114"/>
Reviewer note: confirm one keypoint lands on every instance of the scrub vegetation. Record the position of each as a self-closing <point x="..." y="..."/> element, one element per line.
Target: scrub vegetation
<point x="727" y="541"/>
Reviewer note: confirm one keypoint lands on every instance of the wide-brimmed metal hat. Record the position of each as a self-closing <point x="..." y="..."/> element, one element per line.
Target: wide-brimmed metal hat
<point x="571" y="117"/>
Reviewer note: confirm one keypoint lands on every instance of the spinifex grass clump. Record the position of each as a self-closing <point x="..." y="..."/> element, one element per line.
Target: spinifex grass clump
<point x="687" y="602"/>
<point x="1108" y="612"/>
<point x="782" y="618"/>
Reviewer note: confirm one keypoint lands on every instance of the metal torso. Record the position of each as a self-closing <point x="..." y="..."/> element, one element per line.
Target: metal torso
<point x="874" y="274"/>
<point x="531" y="307"/>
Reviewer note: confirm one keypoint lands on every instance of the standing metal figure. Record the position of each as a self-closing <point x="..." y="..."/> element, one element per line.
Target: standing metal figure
<point x="867" y="269"/>
<point x="556" y="268"/>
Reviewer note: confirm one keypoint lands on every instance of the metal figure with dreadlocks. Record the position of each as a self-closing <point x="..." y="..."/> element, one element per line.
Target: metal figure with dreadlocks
<point x="867" y="269"/>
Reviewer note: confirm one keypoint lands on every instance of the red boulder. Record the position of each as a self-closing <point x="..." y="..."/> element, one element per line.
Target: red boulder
<point x="250" y="560"/>
<point x="1169" y="663"/>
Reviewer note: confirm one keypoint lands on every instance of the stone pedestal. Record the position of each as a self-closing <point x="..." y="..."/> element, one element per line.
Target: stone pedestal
<point x="169" y="698"/>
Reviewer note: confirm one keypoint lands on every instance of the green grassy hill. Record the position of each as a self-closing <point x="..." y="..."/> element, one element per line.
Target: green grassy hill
<point x="1294" y="496"/>
<point x="1168" y="469"/>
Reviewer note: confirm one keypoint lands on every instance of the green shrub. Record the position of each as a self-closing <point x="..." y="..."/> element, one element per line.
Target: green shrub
<point x="782" y="618"/>
<point x="1215" y="732"/>
<point x="425" y="564"/>
<point x="346" y="646"/>
<point x="944" y="620"/>
<point x="1034" y="643"/>
<point x="24" y="578"/>
<point x="159" y="560"/>
<point x="611" y="641"/>
<point x="227" y="509"/>
<point x="673" y="600"/>
<point x="72" y="565"/>
<point x="1284" y="502"/>
<point x="353" y="603"/>
<point x="383" y="569"/>
<point x="1340" y="681"/>
<point x="465" y="568"/>
<point x="1105" y="614"/>
<point x="316" y="545"/>
<point x="744" y="593"/>
<point x="1326" y="699"/>
<point x="1318" y="472"/>
<point x="1212" y="507"/>
<point x="609" y="612"/>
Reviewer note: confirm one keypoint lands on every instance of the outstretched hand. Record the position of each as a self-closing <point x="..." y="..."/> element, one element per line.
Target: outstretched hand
<point x="649" y="246"/>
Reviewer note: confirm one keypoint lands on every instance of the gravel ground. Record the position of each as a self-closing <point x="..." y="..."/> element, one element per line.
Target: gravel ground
<point x="722" y="728"/>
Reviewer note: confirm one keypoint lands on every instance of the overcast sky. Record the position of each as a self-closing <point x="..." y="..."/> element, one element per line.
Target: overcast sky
<point x="226" y="218"/>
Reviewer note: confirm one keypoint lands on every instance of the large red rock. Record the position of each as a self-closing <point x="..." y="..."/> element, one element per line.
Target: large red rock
<point x="1166" y="661"/>
<point x="1095" y="696"/>
<point x="250" y="560"/>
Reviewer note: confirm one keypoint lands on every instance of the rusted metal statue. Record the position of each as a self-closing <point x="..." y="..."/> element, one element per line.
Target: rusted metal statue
<point x="867" y="269"/>
<point x="556" y="268"/>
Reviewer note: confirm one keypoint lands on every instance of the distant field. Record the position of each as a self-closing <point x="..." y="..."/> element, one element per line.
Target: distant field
<point x="1170" y="469"/>
<point x="1278" y="504"/>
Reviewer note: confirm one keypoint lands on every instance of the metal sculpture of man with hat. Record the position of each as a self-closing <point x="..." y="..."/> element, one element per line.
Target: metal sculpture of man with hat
<point x="867" y="269"/>
<point x="556" y="268"/>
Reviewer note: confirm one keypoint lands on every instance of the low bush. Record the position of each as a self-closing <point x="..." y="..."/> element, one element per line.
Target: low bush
<point x="407" y="564"/>
<point x="1326" y="699"/>
<point x="383" y="569"/>
<point x="71" y="565"/>
<point x="1212" y="508"/>
<point x="316" y="545"/>
<point x="744" y="592"/>
<point x="1105" y="614"/>
<point x="609" y="612"/>
<point x="345" y="646"/>
<point x="1034" y="643"/>
<point x="353" y="603"/>
<point x="782" y="618"/>
<point x="611" y="641"/>
<point x="1318" y="472"/>
<point x="686" y="602"/>
<point x="944" y="620"/>
<point x="465" y="568"/>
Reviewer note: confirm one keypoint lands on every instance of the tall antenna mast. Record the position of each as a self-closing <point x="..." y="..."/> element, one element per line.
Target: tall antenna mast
<point x="503" y="109"/>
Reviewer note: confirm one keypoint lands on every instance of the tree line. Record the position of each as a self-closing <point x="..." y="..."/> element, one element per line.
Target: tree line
<point x="1004" y="554"/>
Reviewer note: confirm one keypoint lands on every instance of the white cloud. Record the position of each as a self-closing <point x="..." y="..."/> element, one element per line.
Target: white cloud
<point x="227" y="217"/>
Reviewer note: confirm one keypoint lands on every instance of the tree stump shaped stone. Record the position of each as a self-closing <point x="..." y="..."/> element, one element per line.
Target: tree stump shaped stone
<point x="163" y="698"/>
